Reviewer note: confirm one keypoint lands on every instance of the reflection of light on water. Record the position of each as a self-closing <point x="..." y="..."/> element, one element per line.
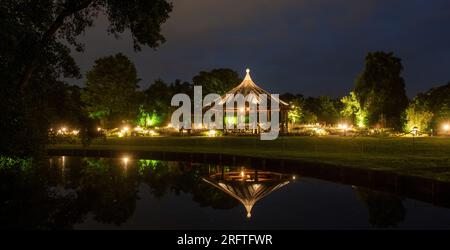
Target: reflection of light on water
<point x="125" y="160"/>
<point x="248" y="186"/>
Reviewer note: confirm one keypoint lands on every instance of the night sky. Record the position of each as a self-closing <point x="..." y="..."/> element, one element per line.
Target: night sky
<point x="313" y="47"/>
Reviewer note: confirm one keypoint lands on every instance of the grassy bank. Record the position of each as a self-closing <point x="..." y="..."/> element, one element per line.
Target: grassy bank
<point x="428" y="157"/>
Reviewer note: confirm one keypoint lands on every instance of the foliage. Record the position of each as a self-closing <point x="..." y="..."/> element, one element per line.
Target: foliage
<point x="325" y="109"/>
<point x="217" y="81"/>
<point x="352" y="109"/>
<point x="429" y="110"/>
<point x="111" y="90"/>
<point x="158" y="95"/>
<point x="380" y="89"/>
<point x="35" y="53"/>
<point x="146" y="119"/>
<point x="417" y="116"/>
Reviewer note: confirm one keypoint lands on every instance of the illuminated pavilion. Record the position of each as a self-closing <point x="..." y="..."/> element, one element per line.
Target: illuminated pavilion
<point x="246" y="87"/>
<point x="248" y="186"/>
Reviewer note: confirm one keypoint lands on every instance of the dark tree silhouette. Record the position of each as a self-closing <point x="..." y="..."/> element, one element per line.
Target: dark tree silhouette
<point x="381" y="89"/>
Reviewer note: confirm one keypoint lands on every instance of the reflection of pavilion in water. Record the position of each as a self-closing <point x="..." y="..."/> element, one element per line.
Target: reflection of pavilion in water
<point x="248" y="186"/>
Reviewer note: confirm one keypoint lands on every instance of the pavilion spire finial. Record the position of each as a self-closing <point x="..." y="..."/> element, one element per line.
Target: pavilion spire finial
<point x="247" y="76"/>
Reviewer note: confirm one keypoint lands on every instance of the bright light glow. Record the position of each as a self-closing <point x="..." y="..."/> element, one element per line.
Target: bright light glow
<point x="75" y="132"/>
<point x="199" y="126"/>
<point x="415" y="130"/>
<point x="446" y="127"/>
<point x="125" y="128"/>
<point x="138" y="128"/>
<point x="98" y="128"/>
<point x="212" y="133"/>
<point x="343" y="126"/>
<point x="152" y="133"/>
<point x="169" y="125"/>
<point x="241" y="109"/>
<point x="63" y="129"/>
<point x="293" y="177"/>
<point x="125" y="160"/>
<point x="242" y="174"/>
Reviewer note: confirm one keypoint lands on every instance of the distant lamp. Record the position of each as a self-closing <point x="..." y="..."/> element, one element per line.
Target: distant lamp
<point x="446" y="127"/>
<point x="415" y="131"/>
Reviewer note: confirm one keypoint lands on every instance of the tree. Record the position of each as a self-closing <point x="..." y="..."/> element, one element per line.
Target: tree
<point x="66" y="19"/>
<point x="296" y="102"/>
<point x="217" y="81"/>
<point x="429" y="110"/>
<point x="352" y="109"/>
<point x="35" y="53"/>
<point x="158" y="96"/>
<point x="111" y="90"/>
<point x="323" y="108"/>
<point x="380" y="89"/>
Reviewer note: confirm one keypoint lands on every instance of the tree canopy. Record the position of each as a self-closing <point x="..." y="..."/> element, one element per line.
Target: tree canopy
<point x="37" y="37"/>
<point x="380" y="89"/>
<point x="217" y="81"/>
<point x="111" y="90"/>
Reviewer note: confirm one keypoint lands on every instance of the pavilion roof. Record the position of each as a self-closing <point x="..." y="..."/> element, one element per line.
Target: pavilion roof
<point x="246" y="87"/>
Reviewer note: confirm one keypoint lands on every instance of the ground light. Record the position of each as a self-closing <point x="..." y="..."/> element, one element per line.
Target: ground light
<point x="212" y="133"/>
<point x="446" y="127"/>
<point x="344" y="128"/>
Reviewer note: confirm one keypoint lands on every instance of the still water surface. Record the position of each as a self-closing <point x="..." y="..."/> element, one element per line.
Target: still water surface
<point x="125" y="193"/>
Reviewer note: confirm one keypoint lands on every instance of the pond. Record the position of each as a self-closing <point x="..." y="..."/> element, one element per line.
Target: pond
<point x="65" y="192"/>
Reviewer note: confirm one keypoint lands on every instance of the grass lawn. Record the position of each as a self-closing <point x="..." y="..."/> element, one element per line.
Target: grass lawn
<point x="428" y="157"/>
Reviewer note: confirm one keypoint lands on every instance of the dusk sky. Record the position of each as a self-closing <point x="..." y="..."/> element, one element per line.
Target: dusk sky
<point x="313" y="47"/>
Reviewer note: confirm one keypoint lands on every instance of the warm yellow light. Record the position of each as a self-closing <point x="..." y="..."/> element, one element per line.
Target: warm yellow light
<point x="212" y="133"/>
<point x="241" y="109"/>
<point x="242" y="174"/>
<point x="446" y="127"/>
<point x="75" y="132"/>
<point x="138" y="128"/>
<point x="152" y="133"/>
<point x="343" y="126"/>
<point x="169" y="125"/>
<point x="63" y="129"/>
<point x="293" y="177"/>
<point x="125" y="160"/>
<point x="98" y="128"/>
<point x="125" y="128"/>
